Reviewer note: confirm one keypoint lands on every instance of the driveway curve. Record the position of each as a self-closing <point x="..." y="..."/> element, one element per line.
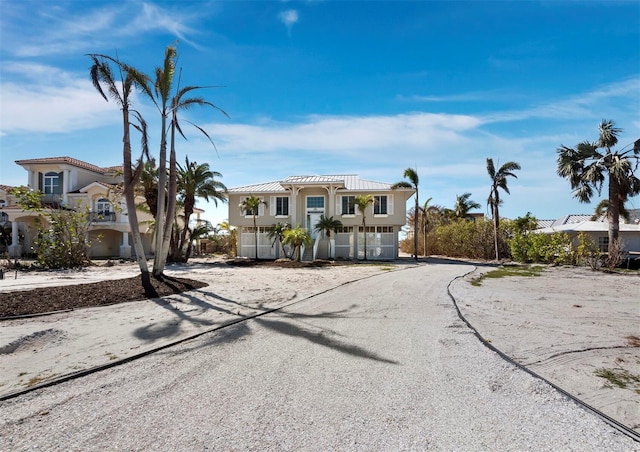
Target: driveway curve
<point x="379" y="364"/>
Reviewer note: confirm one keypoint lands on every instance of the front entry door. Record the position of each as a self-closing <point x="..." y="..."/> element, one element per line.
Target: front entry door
<point x="312" y="219"/>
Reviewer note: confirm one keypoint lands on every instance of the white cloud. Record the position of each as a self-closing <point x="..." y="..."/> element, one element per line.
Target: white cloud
<point x="288" y="18"/>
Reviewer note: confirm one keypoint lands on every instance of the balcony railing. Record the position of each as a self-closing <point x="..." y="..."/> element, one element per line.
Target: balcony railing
<point x="102" y="217"/>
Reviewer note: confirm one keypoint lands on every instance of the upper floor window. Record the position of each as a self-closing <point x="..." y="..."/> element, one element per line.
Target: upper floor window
<point x="258" y="211"/>
<point x="103" y="206"/>
<point x="279" y="206"/>
<point x="383" y="205"/>
<point x="315" y="202"/>
<point x="51" y="183"/>
<point x="348" y="205"/>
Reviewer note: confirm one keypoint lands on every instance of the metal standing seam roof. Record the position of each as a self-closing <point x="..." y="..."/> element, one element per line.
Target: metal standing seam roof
<point x="70" y="161"/>
<point x="351" y="183"/>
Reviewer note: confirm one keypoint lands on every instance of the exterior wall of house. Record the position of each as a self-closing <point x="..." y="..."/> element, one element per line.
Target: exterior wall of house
<point x="382" y="227"/>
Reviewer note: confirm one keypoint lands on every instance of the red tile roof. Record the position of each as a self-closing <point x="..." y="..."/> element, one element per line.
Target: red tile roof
<point x="72" y="161"/>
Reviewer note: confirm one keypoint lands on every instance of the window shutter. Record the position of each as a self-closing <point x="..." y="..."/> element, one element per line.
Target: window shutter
<point x="60" y="185"/>
<point x="41" y="182"/>
<point x="261" y="209"/>
<point x="338" y="205"/>
<point x="390" y="204"/>
<point x="272" y="206"/>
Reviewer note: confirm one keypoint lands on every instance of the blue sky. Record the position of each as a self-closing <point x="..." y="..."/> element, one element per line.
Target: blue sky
<point x="336" y="87"/>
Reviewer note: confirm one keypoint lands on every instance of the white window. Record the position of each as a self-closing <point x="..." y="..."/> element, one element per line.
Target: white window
<point x="51" y="183"/>
<point x="603" y="244"/>
<point x="103" y="206"/>
<point x="383" y="205"/>
<point x="251" y="212"/>
<point x="315" y="203"/>
<point x="347" y="205"/>
<point x="279" y="206"/>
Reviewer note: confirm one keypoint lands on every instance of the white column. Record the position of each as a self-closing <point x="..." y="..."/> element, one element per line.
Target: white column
<point x="15" y="248"/>
<point x="65" y="186"/>
<point x="125" y="248"/>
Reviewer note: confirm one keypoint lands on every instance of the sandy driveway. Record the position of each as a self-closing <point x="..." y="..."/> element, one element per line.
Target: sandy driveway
<point x="564" y="325"/>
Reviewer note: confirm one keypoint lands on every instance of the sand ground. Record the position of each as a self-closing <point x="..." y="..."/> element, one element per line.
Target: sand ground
<point x="566" y="325"/>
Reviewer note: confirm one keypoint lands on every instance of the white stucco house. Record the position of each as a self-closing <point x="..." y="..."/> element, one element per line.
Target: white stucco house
<point x="598" y="230"/>
<point x="301" y="200"/>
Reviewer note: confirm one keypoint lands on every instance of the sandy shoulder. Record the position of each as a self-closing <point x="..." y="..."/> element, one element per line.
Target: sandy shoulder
<point x="44" y="348"/>
<point x="565" y="325"/>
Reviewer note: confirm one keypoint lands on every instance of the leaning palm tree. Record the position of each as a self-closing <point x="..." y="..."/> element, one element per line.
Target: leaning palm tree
<point x="589" y="164"/>
<point x="250" y="206"/>
<point x="412" y="175"/>
<point x="277" y="235"/>
<point x="296" y="238"/>
<point x="603" y="207"/>
<point x="197" y="181"/>
<point x="463" y="206"/>
<point x="101" y="75"/>
<point x="498" y="181"/>
<point x="362" y="202"/>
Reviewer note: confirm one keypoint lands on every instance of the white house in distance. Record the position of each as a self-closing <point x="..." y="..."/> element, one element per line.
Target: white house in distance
<point x="598" y="230"/>
<point x="301" y="200"/>
<point x="72" y="183"/>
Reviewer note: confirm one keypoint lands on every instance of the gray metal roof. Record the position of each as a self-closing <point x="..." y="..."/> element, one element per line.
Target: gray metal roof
<point x="349" y="182"/>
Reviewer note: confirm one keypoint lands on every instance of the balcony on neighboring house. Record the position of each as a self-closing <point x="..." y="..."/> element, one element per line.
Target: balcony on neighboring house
<point x="102" y="217"/>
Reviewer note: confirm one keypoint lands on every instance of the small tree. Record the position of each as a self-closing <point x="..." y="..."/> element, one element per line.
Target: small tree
<point x="296" y="238"/>
<point x="277" y="235"/>
<point x="62" y="243"/>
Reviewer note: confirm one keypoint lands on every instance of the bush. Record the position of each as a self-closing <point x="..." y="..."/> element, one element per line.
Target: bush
<point x="555" y="248"/>
<point x="64" y="244"/>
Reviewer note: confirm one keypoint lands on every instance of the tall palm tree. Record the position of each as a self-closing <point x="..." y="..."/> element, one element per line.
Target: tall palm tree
<point x="412" y="175"/>
<point x="102" y="75"/>
<point x="463" y="206"/>
<point x="498" y="181"/>
<point x="362" y="202"/>
<point x="197" y="181"/>
<point x="587" y="167"/>
<point x="424" y="223"/>
<point x="252" y="204"/>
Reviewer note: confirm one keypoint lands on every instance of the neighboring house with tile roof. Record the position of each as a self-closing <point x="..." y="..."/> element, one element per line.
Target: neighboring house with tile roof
<point x="72" y="183"/>
<point x="301" y="200"/>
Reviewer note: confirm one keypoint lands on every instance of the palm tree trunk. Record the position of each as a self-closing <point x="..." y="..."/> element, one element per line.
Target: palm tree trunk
<point x="132" y="214"/>
<point x="171" y="204"/>
<point x="158" y="267"/>
<point x="613" y="211"/>
<point x="415" y="227"/>
<point x="255" y="232"/>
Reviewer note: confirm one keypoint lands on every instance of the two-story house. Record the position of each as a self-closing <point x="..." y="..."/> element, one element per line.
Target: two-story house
<point x="301" y="200"/>
<point x="72" y="183"/>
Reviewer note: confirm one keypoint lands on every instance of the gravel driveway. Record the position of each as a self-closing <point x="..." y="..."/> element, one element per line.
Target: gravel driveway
<point x="380" y="364"/>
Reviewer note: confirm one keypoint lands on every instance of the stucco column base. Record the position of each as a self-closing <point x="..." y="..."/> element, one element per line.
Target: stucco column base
<point x="125" y="251"/>
<point x="15" y="250"/>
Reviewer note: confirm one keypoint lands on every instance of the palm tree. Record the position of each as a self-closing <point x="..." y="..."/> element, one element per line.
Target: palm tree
<point x="296" y="238"/>
<point x="362" y="202"/>
<point x="424" y="223"/>
<point x="252" y="204"/>
<point x="197" y="181"/>
<point x="277" y="235"/>
<point x="498" y="181"/>
<point x="602" y="208"/>
<point x="587" y="168"/>
<point x="101" y="74"/>
<point x="412" y="175"/>
<point x="463" y="206"/>
<point x="325" y="225"/>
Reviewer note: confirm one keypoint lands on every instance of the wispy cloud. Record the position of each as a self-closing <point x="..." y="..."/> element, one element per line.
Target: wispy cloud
<point x="479" y="96"/>
<point x="288" y="18"/>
